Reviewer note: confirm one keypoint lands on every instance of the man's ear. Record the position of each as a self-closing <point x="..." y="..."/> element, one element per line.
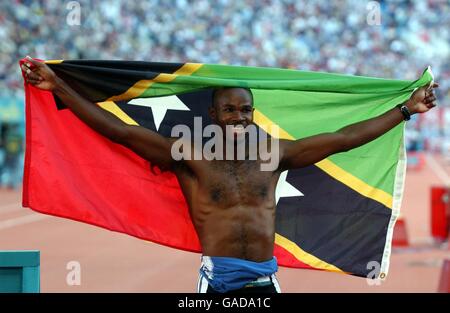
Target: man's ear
<point x="212" y="113"/>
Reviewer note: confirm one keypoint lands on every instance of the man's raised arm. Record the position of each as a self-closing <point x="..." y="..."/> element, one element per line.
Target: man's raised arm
<point x="144" y="142"/>
<point x="307" y="151"/>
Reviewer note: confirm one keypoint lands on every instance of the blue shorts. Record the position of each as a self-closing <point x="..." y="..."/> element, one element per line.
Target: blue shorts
<point x="225" y="274"/>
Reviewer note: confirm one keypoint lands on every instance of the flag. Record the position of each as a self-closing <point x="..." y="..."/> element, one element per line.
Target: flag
<point x="336" y="215"/>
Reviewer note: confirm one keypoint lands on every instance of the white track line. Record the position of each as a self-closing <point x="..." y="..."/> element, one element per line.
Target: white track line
<point x="30" y="218"/>
<point x="438" y="170"/>
<point x="10" y="207"/>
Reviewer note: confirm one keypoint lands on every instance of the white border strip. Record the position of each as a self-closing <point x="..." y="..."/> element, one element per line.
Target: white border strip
<point x="399" y="184"/>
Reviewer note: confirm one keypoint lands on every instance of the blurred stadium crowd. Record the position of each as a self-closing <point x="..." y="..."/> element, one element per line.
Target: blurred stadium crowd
<point x="320" y="35"/>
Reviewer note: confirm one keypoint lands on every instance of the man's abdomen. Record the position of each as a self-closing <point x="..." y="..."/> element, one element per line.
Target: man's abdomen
<point x="239" y="232"/>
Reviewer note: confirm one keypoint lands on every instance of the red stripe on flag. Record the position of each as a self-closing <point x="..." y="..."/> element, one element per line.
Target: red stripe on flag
<point x="285" y="258"/>
<point x="73" y="172"/>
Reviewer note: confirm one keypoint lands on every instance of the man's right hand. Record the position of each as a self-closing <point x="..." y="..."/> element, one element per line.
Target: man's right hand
<point x="39" y="74"/>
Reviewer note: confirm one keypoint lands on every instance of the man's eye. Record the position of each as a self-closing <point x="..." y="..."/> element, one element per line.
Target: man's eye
<point x="228" y="110"/>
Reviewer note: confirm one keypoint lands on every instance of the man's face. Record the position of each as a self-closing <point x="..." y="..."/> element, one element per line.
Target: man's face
<point x="234" y="107"/>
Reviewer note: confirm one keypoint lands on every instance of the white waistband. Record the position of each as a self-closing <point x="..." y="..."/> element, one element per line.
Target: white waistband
<point x="261" y="279"/>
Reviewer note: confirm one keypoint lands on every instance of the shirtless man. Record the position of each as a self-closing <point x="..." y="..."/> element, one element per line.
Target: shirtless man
<point x="231" y="202"/>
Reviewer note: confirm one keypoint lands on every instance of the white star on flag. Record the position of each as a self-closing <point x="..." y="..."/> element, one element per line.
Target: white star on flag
<point x="285" y="189"/>
<point x="160" y="105"/>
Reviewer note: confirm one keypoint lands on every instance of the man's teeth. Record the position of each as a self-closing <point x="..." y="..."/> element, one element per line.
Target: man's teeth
<point x="238" y="128"/>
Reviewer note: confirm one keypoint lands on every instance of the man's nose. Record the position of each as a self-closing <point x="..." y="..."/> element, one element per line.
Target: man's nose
<point x="238" y="117"/>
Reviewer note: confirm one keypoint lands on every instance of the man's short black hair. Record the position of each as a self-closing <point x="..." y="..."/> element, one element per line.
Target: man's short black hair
<point x="216" y="90"/>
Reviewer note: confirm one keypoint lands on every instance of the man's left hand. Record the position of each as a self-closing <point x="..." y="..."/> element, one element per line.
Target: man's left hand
<point x="423" y="99"/>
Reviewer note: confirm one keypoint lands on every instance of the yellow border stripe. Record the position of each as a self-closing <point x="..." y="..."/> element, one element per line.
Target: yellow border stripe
<point x="265" y="123"/>
<point x="53" y="61"/>
<point x="331" y="168"/>
<point x="139" y="87"/>
<point x="355" y="183"/>
<point x="188" y="68"/>
<point x="114" y="109"/>
<point x="303" y="256"/>
<point x="134" y="91"/>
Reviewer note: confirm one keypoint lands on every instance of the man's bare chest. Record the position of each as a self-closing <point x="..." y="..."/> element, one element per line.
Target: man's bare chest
<point x="237" y="181"/>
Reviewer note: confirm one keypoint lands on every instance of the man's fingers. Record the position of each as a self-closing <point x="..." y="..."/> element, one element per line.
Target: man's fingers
<point x="30" y="74"/>
<point x="429" y="99"/>
<point x="433" y="85"/>
<point x="28" y="67"/>
<point x="33" y="81"/>
<point x="32" y="62"/>
<point x="429" y="93"/>
<point x="38" y="79"/>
